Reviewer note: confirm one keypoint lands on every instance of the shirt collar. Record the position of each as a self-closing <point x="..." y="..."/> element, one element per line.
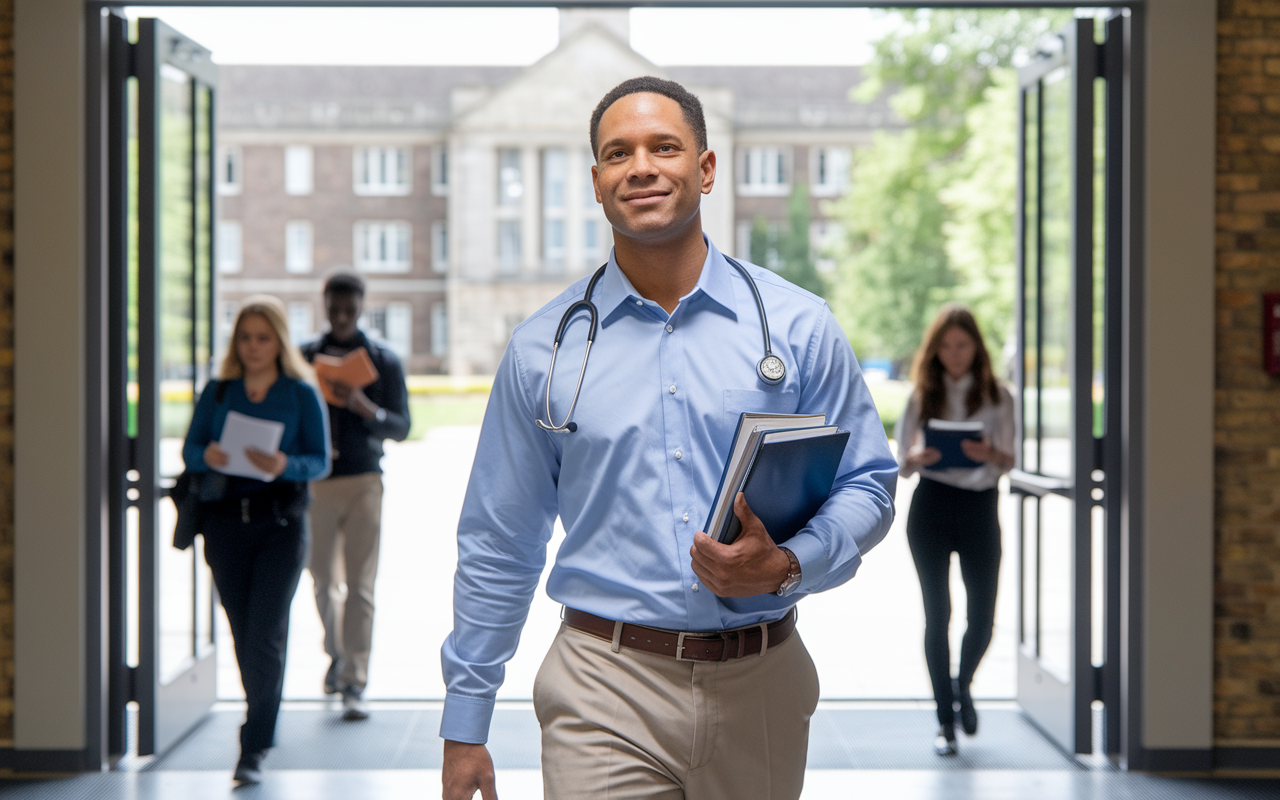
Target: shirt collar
<point x="614" y="294"/>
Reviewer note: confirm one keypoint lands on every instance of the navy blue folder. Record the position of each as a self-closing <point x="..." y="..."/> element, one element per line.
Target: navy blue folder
<point x="788" y="482"/>
<point x="947" y="442"/>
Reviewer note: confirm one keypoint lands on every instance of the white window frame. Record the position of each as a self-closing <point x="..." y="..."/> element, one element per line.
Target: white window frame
<point x="298" y="246"/>
<point x="440" y="246"/>
<point x="299" y="169"/>
<point x="554" y="162"/>
<point x="230" y="246"/>
<point x="230" y="164"/>
<point x="764" y="171"/>
<point x="509" y="263"/>
<point x="382" y="170"/>
<point x="302" y="321"/>
<point x="439" y="329"/>
<point x="511" y="180"/>
<point x="389" y="235"/>
<point x="829" y="170"/>
<point x="440" y="170"/>
<point x="398" y="328"/>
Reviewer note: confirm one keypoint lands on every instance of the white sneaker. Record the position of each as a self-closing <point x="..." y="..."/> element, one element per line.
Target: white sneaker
<point x="353" y="705"/>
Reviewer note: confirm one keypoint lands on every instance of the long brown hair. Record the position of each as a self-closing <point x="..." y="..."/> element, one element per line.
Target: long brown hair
<point x="927" y="370"/>
<point x="290" y="362"/>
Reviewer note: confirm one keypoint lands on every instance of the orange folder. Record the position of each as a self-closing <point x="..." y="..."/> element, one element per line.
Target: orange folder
<point x="354" y="369"/>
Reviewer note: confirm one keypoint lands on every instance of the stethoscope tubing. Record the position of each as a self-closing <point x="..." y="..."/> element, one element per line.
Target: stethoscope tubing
<point x="586" y="303"/>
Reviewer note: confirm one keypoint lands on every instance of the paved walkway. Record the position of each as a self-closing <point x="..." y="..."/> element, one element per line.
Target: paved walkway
<point x="879" y="612"/>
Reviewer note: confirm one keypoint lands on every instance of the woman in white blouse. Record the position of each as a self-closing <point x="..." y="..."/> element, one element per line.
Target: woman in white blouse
<point x="954" y="509"/>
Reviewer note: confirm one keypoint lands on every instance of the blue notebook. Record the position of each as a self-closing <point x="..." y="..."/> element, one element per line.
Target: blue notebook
<point x="788" y="481"/>
<point x="945" y="436"/>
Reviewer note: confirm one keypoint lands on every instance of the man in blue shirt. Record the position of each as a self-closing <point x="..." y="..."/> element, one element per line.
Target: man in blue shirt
<point x="676" y="673"/>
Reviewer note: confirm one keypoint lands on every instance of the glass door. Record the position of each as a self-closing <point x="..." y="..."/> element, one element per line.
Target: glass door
<point x="1064" y="383"/>
<point x="161" y="171"/>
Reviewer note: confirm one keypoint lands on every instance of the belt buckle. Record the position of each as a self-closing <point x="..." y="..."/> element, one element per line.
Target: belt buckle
<point x="680" y="647"/>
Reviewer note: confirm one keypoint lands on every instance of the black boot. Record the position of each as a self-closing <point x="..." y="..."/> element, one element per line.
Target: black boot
<point x="249" y="768"/>
<point x="968" y="714"/>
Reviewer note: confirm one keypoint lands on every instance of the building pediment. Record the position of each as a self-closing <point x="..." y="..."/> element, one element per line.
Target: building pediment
<point x="561" y="90"/>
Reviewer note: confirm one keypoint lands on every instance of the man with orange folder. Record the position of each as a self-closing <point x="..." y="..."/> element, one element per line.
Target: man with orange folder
<point x="363" y="383"/>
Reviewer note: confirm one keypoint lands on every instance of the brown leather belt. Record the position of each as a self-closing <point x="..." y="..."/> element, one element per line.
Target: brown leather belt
<point x="685" y="645"/>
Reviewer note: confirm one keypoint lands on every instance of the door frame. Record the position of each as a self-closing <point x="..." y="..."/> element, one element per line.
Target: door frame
<point x="97" y="450"/>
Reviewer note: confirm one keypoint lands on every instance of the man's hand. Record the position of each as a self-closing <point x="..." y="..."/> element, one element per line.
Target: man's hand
<point x="752" y="565"/>
<point x="353" y="399"/>
<point x="467" y="769"/>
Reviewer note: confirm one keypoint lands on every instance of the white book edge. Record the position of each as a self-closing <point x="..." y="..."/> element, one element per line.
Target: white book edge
<point x="751" y="427"/>
<point x="955" y="425"/>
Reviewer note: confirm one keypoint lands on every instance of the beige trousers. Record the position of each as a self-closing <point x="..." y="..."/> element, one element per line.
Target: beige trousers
<point x="631" y="725"/>
<point x="346" y="524"/>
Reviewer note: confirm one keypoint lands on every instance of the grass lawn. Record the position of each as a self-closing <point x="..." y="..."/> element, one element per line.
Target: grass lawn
<point x="429" y="411"/>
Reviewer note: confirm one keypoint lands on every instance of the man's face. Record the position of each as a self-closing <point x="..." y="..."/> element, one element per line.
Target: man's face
<point x="649" y="175"/>
<point x="343" y="310"/>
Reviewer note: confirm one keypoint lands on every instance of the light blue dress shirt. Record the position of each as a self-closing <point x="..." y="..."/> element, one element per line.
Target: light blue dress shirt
<point x="659" y="406"/>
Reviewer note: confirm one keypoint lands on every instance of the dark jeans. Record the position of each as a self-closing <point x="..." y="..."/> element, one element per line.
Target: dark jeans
<point x="943" y="520"/>
<point x="256" y="566"/>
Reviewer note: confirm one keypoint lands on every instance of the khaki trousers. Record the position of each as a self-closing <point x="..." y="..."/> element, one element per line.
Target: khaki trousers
<point x="631" y="725"/>
<point x="346" y="524"/>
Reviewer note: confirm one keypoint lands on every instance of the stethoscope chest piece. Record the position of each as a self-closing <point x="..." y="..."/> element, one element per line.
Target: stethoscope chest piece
<point x="771" y="369"/>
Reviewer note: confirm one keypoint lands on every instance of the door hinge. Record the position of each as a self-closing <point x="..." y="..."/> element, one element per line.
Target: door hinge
<point x="131" y="59"/>
<point x="1099" y="451"/>
<point x="1097" y="683"/>
<point x="1101" y="59"/>
<point x="131" y="684"/>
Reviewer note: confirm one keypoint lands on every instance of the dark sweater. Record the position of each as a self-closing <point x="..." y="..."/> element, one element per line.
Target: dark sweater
<point x="357" y="442"/>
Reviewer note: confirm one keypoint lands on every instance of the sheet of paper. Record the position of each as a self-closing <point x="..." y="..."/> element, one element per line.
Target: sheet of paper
<point x="239" y="433"/>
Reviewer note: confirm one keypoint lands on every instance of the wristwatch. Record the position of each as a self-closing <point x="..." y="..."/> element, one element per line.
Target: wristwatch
<point x="792" y="580"/>
<point x="380" y="415"/>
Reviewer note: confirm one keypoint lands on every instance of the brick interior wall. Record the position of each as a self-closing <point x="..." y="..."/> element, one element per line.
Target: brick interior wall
<point x="1247" y="401"/>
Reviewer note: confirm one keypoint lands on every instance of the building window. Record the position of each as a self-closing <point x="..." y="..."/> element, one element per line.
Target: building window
<point x="829" y="170"/>
<point x="825" y="238"/>
<point x="510" y="180"/>
<point x="297" y="246"/>
<point x="382" y="171"/>
<point x="301" y="321"/>
<point x="229" y="169"/>
<point x="555" y="179"/>
<point x="764" y="171"/>
<point x="439" y="330"/>
<point x="508" y="246"/>
<point x="440" y="170"/>
<point x="440" y="247"/>
<point x="229" y="246"/>
<point x="592" y="241"/>
<point x="399" y="329"/>
<point x="382" y="246"/>
<point x="297" y="169"/>
<point x="589" y="190"/>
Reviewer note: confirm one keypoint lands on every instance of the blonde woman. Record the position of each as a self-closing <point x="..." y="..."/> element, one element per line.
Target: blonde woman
<point x="255" y="531"/>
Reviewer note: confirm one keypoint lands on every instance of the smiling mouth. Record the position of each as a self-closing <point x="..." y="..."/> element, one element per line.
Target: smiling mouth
<point x="644" y="198"/>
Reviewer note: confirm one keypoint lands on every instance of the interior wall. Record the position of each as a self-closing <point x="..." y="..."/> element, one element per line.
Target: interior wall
<point x="1177" y="672"/>
<point x="48" y="440"/>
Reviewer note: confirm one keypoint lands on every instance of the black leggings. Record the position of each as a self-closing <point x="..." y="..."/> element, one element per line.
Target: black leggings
<point x="256" y="566"/>
<point x="942" y="520"/>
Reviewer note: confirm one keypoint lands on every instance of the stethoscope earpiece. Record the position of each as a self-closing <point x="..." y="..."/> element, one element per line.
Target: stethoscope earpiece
<point x="771" y="369"/>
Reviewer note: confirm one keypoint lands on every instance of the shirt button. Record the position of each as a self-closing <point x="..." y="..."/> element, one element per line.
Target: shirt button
<point x="679" y="455"/>
<point x="686" y="517"/>
<point x="639" y="302"/>
<point x="695" y="587"/>
<point x="670" y="329"/>
<point x="672" y="389"/>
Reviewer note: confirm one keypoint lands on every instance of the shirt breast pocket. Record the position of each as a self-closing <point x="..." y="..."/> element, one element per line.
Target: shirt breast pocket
<point x="736" y="401"/>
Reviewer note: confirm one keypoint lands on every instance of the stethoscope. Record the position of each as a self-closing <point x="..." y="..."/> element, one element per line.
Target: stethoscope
<point x="770" y="368"/>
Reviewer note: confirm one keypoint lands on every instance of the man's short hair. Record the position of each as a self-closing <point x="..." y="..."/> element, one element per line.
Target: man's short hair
<point x="689" y="104"/>
<point x="344" y="283"/>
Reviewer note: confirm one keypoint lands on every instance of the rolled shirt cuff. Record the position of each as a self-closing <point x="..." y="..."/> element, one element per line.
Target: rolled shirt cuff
<point x="466" y="718"/>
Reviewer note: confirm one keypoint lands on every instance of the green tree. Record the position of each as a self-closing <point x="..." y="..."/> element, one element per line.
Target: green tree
<point x="786" y="250"/>
<point x="929" y="217"/>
